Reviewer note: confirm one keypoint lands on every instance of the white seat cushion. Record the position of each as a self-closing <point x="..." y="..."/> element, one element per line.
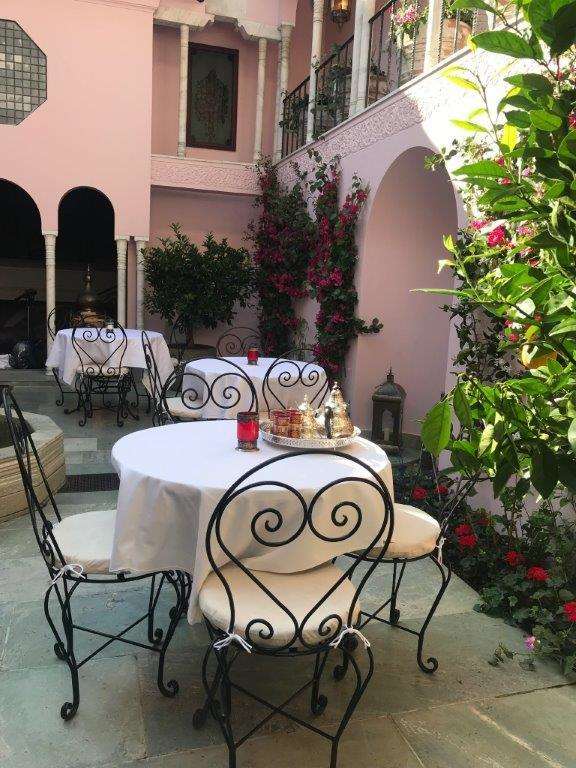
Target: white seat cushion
<point x="299" y="592"/>
<point x="94" y="370"/>
<point x="179" y="410"/>
<point x="415" y="533"/>
<point x="86" y="539"/>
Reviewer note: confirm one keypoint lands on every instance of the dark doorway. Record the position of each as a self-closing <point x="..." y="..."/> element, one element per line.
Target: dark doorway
<point x="21" y="266"/>
<point x="86" y="237"/>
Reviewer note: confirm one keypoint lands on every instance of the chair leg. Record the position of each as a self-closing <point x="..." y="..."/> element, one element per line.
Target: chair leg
<point x="59" y="400"/>
<point x="170" y="689"/>
<point x="396" y="582"/>
<point x="219" y="707"/>
<point x="318" y="701"/>
<point x="59" y="647"/>
<point x="154" y="634"/>
<point x="69" y="708"/>
<point x="431" y="664"/>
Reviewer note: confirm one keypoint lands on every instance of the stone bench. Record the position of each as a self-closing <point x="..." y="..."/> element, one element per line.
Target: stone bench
<point x="49" y="441"/>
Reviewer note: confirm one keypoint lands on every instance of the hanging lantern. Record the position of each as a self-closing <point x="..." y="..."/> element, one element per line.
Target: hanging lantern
<point x="388" y="413"/>
<point x="340" y="11"/>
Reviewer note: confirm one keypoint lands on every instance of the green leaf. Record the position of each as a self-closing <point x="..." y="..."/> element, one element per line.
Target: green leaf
<point x="567" y="148"/>
<point x="572" y="435"/>
<point x="529" y="385"/>
<point x="509" y="137"/>
<point x="544" y="474"/>
<point x="567" y="326"/>
<point x="486" y="439"/>
<point x="532" y="82"/>
<point x="436" y="428"/>
<point x="466" y="125"/>
<point x="506" y="43"/>
<point x="462" y="407"/>
<point x="556" y="189"/>
<point x="480" y="5"/>
<point x="462" y="82"/>
<point x="567" y="472"/>
<point x="545" y="121"/>
<point x="503" y="474"/>
<point x="518" y="118"/>
<point x="487" y="168"/>
<point x="564" y="25"/>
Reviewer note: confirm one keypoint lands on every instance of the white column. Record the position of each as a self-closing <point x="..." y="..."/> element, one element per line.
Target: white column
<point x="262" y="47"/>
<point x="433" y="28"/>
<point x="121" y="250"/>
<point x="282" y="85"/>
<point x="140" y="245"/>
<point x="183" y="90"/>
<point x="315" y="55"/>
<point x="50" y="250"/>
<point x="361" y="55"/>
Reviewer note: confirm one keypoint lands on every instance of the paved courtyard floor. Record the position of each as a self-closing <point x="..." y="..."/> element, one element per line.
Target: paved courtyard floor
<point x="467" y="715"/>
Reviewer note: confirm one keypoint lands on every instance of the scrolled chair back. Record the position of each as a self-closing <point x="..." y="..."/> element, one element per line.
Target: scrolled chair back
<point x="237" y="341"/>
<point x="262" y="519"/>
<point x="289" y="374"/>
<point x="154" y="380"/>
<point x="231" y="390"/>
<point x="34" y="481"/>
<point x="100" y="349"/>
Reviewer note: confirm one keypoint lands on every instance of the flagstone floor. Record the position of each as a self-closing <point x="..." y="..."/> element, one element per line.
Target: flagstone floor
<point x="467" y="715"/>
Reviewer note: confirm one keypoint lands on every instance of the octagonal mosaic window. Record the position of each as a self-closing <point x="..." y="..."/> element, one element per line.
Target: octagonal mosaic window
<point x="22" y="74"/>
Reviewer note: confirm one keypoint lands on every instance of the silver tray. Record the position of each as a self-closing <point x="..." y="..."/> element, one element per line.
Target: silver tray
<point x="307" y="442"/>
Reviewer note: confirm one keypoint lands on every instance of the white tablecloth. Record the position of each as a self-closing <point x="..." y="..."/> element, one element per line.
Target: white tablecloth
<point x="290" y="395"/>
<point x="64" y="357"/>
<point x="172" y="477"/>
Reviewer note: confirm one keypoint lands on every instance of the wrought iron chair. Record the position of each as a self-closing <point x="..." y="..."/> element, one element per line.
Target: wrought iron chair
<point x="159" y="416"/>
<point x="177" y="348"/>
<point x="417" y="536"/>
<point x="309" y="613"/>
<point x="237" y="341"/>
<point x="101" y="371"/>
<point x="77" y="551"/>
<point x="228" y="391"/>
<point x="53" y="325"/>
<point x="296" y="367"/>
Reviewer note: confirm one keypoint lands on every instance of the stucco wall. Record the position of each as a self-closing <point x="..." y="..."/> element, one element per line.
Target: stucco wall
<point x="94" y="128"/>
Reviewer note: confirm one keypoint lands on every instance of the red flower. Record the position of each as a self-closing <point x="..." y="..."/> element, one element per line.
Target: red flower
<point x="513" y="558"/>
<point x="505" y="181"/>
<point x="534" y="262"/>
<point x="572" y="119"/>
<point x="463" y="530"/>
<point x="498" y="236"/>
<point x="469" y="541"/>
<point x="500" y="160"/>
<point x="442" y="489"/>
<point x="570" y="610"/>
<point x="513" y="338"/>
<point x="536" y="573"/>
<point x="419" y="493"/>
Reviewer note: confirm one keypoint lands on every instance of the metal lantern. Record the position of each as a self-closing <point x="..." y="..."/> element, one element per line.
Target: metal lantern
<point x="340" y="11"/>
<point x="388" y="413"/>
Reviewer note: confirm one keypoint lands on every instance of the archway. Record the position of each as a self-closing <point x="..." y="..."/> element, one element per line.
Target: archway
<point x="85" y="237"/>
<point x="412" y="209"/>
<point x="21" y="265"/>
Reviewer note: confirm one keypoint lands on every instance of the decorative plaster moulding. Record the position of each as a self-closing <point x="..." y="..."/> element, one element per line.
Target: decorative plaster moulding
<point x="145" y="6"/>
<point x="171" y="15"/>
<point x="205" y="175"/>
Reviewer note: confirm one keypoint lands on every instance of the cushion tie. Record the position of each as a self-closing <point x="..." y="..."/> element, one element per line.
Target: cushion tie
<point x="73" y="568"/>
<point x="440" y="546"/>
<point x="349" y="631"/>
<point x="230" y="638"/>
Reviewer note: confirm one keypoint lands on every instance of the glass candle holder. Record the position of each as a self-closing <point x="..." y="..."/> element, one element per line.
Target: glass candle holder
<point x="247" y="427"/>
<point x="253" y="354"/>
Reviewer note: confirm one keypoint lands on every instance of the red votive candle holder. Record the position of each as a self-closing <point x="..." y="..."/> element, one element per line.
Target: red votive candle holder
<point x="253" y="355"/>
<point x="247" y="427"/>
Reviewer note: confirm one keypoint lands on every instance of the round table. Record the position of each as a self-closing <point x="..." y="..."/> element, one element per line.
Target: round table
<point x="285" y="382"/>
<point x="172" y="478"/>
<point x="65" y="358"/>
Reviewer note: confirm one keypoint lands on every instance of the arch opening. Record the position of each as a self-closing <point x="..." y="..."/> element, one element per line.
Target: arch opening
<point x="85" y="238"/>
<point x="22" y="266"/>
<point x="412" y="209"/>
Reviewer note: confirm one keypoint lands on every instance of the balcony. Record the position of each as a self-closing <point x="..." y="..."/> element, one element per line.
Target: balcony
<point x="402" y="41"/>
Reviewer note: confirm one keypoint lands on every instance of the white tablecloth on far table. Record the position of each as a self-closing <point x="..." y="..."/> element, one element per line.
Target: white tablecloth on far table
<point x="213" y="369"/>
<point x="64" y="357"/>
<point x="172" y="477"/>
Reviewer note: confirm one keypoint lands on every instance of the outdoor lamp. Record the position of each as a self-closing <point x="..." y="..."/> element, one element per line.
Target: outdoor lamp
<point x="388" y="413"/>
<point x="340" y="11"/>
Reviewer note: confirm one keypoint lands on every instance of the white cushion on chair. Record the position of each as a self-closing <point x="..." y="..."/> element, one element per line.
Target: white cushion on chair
<point x="415" y="533"/>
<point x="178" y="409"/>
<point x="86" y="539"/>
<point x="299" y="592"/>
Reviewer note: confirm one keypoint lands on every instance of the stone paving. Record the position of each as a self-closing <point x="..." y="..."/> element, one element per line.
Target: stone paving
<point x="467" y="715"/>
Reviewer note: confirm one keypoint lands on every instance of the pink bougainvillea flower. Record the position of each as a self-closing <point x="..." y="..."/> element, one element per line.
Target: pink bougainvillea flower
<point x="478" y="224"/>
<point x="537" y="573"/>
<point x="525" y="230"/>
<point x="530" y="643"/>
<point x="497" y="237"/>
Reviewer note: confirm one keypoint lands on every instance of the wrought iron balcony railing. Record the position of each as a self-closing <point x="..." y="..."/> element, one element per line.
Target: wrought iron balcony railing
<point x="295" y="118"/>
<point x="333" y="84"/>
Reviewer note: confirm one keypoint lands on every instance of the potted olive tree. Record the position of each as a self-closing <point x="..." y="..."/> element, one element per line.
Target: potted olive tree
<point x="193" y="286"/>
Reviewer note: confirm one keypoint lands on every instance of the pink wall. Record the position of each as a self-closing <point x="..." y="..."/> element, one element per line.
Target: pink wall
<point x="401" y="242"/>
<point x="200" y="213"/>
<point x="301" y="45"/>
<point x="96" y="119"/>
<point x="165" y="91"/>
